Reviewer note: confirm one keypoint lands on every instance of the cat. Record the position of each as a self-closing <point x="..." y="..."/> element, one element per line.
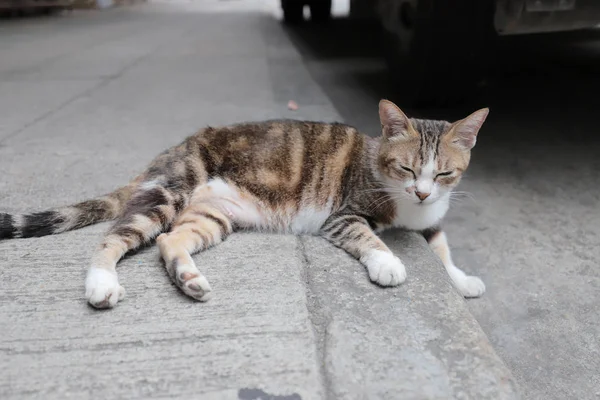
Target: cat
<point x="286" y="176"/>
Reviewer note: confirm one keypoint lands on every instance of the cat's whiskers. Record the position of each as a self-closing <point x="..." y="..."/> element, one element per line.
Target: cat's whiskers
<point x="373" y="190"/>
<point x="386" y="189"/>
<point x="459" y="197"/>
<point x="461" y="193"/>
<point x="380" y="202"/>
<point x="388" y="193"/>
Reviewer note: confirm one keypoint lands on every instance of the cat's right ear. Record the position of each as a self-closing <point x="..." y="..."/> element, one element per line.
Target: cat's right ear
<point x="394" y="123"/>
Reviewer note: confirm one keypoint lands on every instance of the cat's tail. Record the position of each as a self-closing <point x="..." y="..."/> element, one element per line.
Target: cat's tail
<point x="67" y="218"/>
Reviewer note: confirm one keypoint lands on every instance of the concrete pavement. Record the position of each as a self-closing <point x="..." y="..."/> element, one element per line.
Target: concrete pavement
<point x="86" y="101"/>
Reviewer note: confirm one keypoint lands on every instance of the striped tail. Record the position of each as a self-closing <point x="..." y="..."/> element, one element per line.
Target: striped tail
<point x="64" y="219"/>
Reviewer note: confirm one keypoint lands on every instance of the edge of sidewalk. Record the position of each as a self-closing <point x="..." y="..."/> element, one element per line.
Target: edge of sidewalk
<point x="415" y="341"/>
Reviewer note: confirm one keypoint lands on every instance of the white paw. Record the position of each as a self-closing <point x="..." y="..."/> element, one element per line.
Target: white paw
<point x="384" y="268"/>
<point x="470" y="286"/>
<point x="102" y="288"/>
<point x="192" y="282"/>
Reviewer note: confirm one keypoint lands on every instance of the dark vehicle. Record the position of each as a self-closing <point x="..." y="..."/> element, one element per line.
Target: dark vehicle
<point x="436" y="49"/>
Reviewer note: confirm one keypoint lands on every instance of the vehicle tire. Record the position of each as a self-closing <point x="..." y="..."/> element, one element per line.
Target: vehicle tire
<point x="320" y="10"/>
<point x="435" y="48"/>
<point x="293" y="11"/>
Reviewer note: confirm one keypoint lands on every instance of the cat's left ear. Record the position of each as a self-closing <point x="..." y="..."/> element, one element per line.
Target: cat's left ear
<point x="464" y="132"/>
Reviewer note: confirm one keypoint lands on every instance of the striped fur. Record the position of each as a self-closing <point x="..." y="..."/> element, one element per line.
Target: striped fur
<point x="281" y="176"/>
<point x="64" y="219"/>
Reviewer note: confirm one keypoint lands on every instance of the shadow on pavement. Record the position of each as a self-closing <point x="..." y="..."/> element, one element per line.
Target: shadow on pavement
<point x="539" y="74"/>
<point x="529" y="224"/>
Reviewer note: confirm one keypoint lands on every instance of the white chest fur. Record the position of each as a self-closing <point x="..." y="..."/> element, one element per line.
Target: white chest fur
<point x="418" y="217"/>
<point x="310" y="220"/>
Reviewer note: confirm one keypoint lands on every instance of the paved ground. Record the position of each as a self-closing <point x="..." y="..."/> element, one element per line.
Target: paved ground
<point x="530" y="225"/>
<point x="86" y="101"/>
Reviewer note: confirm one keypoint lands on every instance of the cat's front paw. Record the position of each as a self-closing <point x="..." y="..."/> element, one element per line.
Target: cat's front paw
<point x="470" y="286"/>
<point x="102" y="289"/>
<point x="384" y="268"/>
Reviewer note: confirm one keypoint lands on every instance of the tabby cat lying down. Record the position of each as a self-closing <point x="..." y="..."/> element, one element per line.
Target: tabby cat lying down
<point x="282" y="176"/>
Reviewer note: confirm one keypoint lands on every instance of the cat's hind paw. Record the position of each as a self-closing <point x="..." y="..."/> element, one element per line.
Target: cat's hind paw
<point x="192" y="282"/>
<point x="102" y="289"/>
<point x="384" y="268"/>
<point x="470" y="286"/>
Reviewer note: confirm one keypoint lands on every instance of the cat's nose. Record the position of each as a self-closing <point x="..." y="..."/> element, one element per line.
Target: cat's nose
<point x="422" y="195"/>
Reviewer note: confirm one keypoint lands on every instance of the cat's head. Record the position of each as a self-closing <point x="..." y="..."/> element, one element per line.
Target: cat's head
<point x="422" y="160"/>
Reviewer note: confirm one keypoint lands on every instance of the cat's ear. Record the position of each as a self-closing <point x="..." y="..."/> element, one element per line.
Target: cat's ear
<point x="464" y="132"/>
<point x="394" y="122"/>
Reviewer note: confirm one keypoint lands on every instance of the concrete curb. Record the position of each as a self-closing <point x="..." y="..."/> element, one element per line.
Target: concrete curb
<point x="416" y="341"/>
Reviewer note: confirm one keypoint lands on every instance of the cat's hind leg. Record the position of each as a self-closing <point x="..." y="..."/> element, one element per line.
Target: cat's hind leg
<point x="201" y="225"/>
<point x="149" y="212"/>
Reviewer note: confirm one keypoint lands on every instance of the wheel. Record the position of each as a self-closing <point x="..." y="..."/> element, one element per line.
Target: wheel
<point x="435" y="48"/>
<point x="320" y="10"/>
<point x="293" y="11"/>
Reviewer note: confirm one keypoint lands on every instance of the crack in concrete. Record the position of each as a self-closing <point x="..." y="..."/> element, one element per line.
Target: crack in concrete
<point x="319" y="320"/>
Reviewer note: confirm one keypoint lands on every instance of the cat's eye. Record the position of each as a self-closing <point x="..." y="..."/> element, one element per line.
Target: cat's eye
<point x="444" y="174"/>
<point x="407" y="169"/>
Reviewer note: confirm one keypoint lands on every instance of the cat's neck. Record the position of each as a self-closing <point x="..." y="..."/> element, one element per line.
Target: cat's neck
<point x="417" y="216"/>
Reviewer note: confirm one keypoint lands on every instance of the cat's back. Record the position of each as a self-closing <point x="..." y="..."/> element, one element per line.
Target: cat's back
<point x="283" y="159"/>
<point x="277" y="144"/>
<point x="267" y="133"/>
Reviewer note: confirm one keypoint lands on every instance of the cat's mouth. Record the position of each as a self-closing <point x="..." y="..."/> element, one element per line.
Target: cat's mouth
<point x="426" y="202"/>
